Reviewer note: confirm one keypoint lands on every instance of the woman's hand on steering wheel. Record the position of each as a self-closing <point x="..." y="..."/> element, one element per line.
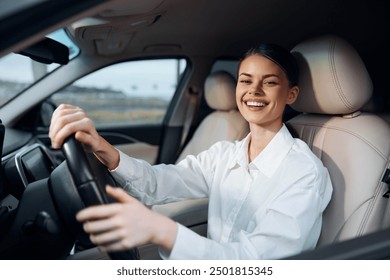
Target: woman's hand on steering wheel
<point x="67" y="120"/>
<point x="126" y="224"/>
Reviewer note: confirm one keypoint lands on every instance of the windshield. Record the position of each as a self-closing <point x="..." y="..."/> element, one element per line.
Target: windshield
<point x="18" y="72"/>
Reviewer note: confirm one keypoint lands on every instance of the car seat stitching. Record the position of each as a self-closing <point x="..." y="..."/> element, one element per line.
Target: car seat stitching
<point x="347" y="131"/>
<point x="334" y="76"/>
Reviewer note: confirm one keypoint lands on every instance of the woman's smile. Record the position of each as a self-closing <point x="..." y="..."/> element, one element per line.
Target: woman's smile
<point x="255" y="104"/>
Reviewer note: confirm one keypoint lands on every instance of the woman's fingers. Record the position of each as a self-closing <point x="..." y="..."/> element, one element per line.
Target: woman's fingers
<point x="115" y="246"/>
<point x="98" y="212"/>
<point x="67" y="120"/>
<point x="109" y="226"/>
<point x="61" y="118"/>
<point x="60" y="112"/>
<point x="125" y="224"/>
<point x="107" y="210"/>
<point x="108" y="237"/>
<point x="68" y="129"/>
<point x="109" y="233"/>
<point x="119" y="194"/>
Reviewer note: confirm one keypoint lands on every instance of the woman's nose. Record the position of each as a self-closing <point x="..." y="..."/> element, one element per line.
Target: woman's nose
<point x="256" y="89"/>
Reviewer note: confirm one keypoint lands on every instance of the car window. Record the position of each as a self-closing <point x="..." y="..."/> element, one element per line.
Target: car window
<point x="18" y="72"/>
<point x="127" y="93"/>
<point x="229" y="65"/>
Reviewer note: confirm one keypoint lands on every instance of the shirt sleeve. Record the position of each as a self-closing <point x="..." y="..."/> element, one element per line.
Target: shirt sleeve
<point x="291" y="224"/>
<point x="159" y="184"/>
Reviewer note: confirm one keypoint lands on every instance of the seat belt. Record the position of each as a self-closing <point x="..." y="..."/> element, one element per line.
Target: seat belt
<point x="386" y="179"/>
<point x="190" y="115"/>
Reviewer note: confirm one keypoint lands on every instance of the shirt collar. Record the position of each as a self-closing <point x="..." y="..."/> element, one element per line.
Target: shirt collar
<point x="241" y="157"/>
<point x="270" y="158"/>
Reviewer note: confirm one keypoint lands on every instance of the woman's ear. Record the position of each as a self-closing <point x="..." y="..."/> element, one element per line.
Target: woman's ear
<point x="292" y="95"/>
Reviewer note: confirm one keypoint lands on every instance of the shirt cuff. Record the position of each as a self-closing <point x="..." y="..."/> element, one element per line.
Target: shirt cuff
<point x="188" y="245"/>
<point x="119" y="163"/>
<point x="113" y="170"/>
<point x="122" y="172"/>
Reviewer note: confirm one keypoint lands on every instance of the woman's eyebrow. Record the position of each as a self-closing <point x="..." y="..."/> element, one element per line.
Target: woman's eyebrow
<point x="270" y="75"/>
<point x="264" y="76"/>
<point x="245" y="74"/>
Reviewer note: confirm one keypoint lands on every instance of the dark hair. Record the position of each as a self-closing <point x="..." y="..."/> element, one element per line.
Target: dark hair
<point x="280" y="56"/>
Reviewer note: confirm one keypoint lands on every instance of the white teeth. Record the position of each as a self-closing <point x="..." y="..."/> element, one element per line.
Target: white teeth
<point x="254" y="103"/>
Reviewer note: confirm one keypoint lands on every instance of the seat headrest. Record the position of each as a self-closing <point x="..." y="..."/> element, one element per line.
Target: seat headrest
<point x="220" y="91"/>
<point x="333" y="77"/>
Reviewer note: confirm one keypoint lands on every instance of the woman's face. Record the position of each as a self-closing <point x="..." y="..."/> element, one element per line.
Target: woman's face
<point x="263" y="91"/>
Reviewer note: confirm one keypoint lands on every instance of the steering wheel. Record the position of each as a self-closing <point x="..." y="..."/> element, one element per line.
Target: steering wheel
<point x="88" y="185"/>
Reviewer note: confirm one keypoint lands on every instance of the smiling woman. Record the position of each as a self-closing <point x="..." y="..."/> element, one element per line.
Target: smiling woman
<point x="253" y="185"/>
<point x="152" y="114"/>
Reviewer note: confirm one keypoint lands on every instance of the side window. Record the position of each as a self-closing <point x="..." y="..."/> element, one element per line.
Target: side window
<point x="226" y="65"/>
<point x="127" y="93"/>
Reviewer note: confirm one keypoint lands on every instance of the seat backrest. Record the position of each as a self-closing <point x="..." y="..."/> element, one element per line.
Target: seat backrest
<point x="354" y="146"/>
<point x="225" y="122"/>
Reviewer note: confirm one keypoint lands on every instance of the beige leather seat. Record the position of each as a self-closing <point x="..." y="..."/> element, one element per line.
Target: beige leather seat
<point x="225" y="122"/>
<point x="354" y="146"/>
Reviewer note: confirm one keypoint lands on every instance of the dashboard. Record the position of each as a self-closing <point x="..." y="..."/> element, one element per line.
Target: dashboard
<point x="31" y="225"/>
<point x="24" y="159"/>
<point x="31" y="164"/>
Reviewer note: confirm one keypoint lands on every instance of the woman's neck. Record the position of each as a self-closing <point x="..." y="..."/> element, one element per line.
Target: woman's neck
<point x="260" y="137"/>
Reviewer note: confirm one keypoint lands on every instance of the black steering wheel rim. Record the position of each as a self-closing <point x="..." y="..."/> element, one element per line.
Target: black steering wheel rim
<point x="88" y="185"/>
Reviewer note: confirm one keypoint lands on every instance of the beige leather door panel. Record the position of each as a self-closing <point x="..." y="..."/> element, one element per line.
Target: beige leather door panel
<point x="143" y="151"/>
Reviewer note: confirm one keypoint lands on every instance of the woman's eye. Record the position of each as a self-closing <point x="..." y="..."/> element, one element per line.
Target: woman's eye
<point x="270" y="83"/>
<point x="244" y="81"/>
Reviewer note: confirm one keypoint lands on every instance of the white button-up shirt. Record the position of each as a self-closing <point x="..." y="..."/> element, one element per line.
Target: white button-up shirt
<point x="267" y="209"/>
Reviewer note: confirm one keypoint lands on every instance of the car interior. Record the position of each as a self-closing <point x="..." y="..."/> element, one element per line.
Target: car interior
<point x="341" y="112"/>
